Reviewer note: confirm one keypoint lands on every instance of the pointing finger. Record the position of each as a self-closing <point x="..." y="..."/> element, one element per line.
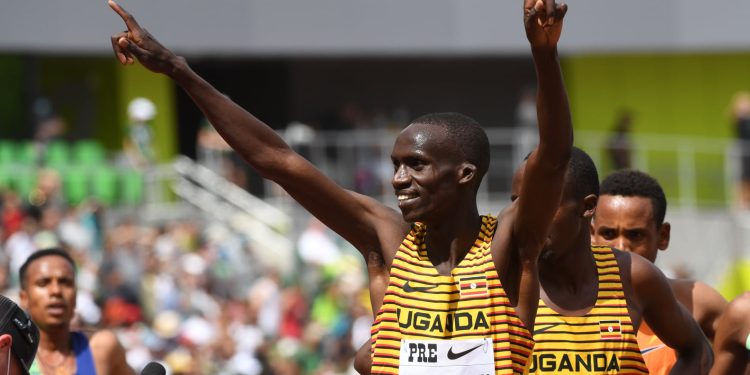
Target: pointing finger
<point x="130" y="21"/>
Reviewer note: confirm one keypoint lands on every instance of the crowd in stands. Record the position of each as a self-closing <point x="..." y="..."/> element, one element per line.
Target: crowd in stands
<point x="190" y="292"/>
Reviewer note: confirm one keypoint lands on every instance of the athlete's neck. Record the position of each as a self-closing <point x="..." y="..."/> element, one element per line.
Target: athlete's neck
<point x="449" y="241"/>
<point x="571" y="270"/>
<point x="55" y="340"/>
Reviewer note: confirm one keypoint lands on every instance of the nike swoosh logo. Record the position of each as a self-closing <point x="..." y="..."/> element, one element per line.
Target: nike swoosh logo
<point x="546" y="328"/>
<point x="651" y="349"/>
<point x="411" y="289"/>
<point x="452" y="355"/>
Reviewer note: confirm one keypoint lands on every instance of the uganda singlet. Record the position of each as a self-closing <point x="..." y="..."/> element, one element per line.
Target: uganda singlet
<point x="457" y="324"/>
<point x="659" y="357"/>
<point x="600" y="342"/>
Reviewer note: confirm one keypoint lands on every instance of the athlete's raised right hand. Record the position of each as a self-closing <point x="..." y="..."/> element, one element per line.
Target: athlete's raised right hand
<point x="137" y="43"/>
<point x="543" y="20"/>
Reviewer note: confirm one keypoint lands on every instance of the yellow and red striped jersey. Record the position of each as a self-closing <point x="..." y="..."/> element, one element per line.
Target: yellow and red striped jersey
<point x="600" y="342"/>
<point x="457" y="324"/>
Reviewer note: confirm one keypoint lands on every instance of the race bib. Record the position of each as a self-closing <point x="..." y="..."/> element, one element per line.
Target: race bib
<point x="447" y="357"/>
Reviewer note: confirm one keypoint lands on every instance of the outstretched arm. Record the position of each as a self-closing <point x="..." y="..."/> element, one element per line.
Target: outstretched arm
<point x="669" y="320"/>
<point x="353" y="216"/>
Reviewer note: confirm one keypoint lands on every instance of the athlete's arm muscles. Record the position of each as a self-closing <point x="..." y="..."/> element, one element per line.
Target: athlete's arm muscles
<point x="545" y="169"/>
<point x="669" y="320"/>
<point x="730" y="353"/>
<point x="709" y="305"/>
<point x="356" y="218"/>
<point x="108" y="354"/>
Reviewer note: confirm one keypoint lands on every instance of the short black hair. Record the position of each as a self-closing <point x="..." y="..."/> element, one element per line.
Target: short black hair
<point x="582" y="174"/>
<point x="634" y="183"/>
<point x="16" y="323"/>
<point x="40" y="254"/>
<point x="469" y="136"/>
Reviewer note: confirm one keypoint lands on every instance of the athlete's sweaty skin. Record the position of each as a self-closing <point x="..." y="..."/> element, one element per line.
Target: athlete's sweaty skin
<point x="732" y="355"/>
<point x="435" y="183"/>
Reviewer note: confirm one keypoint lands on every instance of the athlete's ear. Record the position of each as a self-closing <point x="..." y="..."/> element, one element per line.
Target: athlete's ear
<point x="664" y="234"/>
<point x="23" y="299"/>
<point x="5" y="341"/>
<point x="589" y="206"/>
<point x="466" y="172"/>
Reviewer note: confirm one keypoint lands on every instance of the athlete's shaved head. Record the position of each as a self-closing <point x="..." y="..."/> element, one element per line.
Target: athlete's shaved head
<point x="470" y="139"/>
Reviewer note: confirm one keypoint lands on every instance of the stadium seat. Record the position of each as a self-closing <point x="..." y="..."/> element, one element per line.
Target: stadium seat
<point x="57" y="155"/>
<point x="75" y="185"/>
<point x="104" y="183"/>
<point x="131" y="187"/>
<point x="24" y="181"/>
<point x="7" y="152"/>
<point x="26" y="153"/>
<point x="89" y="152"/>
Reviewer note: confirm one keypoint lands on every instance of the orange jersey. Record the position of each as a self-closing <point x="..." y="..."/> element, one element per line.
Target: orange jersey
<point x="658" y="356"/>
<point x="457" y="324"/>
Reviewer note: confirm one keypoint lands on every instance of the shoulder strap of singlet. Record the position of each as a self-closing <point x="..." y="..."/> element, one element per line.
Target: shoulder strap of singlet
<point x="84" y="358"/>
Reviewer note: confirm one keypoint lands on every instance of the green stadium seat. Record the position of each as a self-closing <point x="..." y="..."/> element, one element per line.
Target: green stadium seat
<point x="24" y="181"/>
<point x="75" y="185"/>
<point x="132" y="186"/>
<point x="89" y="152"/>
<point x="6" y="177"/>
<point x="104" y="183"/>
<point x="26" y="153"/>
<point x="57" y="155"/>
<point x="7" y="152"/>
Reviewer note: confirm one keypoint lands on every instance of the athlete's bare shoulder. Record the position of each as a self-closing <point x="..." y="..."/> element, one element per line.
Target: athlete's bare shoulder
<point x="737" y="312"/>
<point x="637" y="275"/>
<point x="704" y="303"/>
<point x="108" y="353"/>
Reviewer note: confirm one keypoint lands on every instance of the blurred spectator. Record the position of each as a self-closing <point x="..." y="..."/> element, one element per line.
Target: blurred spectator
<point x="741" y="122"/>
<point x="527" y="132"/>
<point x="12" y="214"/>
<point x="48" y="190"/>
<point x="620" y="144"/>
<point x="189" y="294"/>
<point x="49" y="127"/>
<point x="138" y="144"/>
<point x="20" y="244"/>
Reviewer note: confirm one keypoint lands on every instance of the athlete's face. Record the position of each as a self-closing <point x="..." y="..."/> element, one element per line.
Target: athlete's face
<point x="50" y="292"/>
<point x="425" y="172"/>
<point x="628" y="223"/>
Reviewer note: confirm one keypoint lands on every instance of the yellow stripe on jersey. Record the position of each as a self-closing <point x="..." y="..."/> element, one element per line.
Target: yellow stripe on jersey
<point x="601" y="342"/>
<point x="470" y="304"/>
